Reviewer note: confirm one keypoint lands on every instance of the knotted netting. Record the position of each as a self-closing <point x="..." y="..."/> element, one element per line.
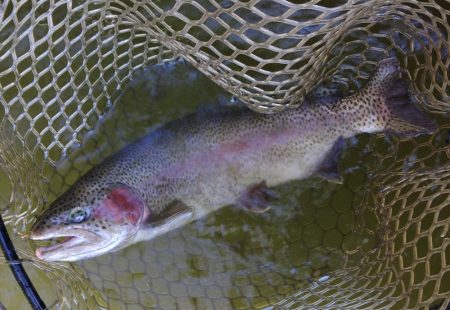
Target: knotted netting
<point x="65" y="65"/>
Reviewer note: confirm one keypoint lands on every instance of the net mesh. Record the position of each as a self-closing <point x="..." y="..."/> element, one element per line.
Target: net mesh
<point x="408" y="270"/>
<point x="65" y="64"/>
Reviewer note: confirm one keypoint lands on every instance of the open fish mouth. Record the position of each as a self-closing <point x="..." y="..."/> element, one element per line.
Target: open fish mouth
<point x="65" y="245"/>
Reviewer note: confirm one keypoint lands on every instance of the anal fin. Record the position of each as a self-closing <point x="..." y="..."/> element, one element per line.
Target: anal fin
<point x="329" y="167"/>
<point x="257" y="198"/>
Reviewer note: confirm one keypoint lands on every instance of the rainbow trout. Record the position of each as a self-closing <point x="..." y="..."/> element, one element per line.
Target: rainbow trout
<point x="195" y="165"/>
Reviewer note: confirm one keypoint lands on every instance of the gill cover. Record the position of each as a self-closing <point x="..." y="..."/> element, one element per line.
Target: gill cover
<point x="121" y="206"/>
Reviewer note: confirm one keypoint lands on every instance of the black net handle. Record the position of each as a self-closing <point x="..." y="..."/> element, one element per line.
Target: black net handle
<point x="17" y="269"/>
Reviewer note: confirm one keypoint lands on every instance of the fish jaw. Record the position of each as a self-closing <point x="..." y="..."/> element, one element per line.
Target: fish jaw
<point x="78" y="244"/>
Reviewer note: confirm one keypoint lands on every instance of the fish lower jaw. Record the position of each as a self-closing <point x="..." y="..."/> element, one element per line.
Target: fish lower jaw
<point x="80" y="247"/>
<point x="68" y="245"/>
<point x="47" y="252"/>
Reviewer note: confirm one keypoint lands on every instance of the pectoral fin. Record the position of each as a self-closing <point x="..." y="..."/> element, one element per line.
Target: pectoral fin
<point x="257" y="198"/>
<point x="175" y="211"/>
<point x="329" y="167"/>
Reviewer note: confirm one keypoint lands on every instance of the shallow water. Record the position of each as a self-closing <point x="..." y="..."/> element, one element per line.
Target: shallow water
<point x="231" y="259"/>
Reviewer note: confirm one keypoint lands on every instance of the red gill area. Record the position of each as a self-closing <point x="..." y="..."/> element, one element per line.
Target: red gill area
<point x="120" y="206"/>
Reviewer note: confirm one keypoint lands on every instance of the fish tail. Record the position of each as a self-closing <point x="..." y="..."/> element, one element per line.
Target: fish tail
<point x="395" y="106"/>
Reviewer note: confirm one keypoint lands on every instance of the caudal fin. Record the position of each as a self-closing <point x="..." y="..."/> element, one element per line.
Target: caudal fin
<point x="406" y="117"/>
<point x="403" y="116"/>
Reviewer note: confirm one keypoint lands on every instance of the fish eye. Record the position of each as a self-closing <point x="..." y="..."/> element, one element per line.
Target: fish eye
<point x="78" y="215"/>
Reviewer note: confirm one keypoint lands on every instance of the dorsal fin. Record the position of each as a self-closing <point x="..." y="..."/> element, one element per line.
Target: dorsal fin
<point x="322" y="91"/>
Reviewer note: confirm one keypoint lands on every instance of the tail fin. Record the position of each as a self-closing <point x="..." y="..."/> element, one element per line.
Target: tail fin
<point x="406" y="118"/>
<point x="403" y="116"/>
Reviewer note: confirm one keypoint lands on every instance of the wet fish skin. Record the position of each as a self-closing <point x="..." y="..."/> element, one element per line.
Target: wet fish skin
<point x="197" y="164"/>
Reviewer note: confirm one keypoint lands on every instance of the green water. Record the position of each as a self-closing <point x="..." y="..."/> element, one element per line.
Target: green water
<point x="231" y="259"/>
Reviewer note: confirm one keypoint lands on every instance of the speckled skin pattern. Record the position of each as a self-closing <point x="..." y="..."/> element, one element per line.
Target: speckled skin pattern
<point x="208" y="160"/>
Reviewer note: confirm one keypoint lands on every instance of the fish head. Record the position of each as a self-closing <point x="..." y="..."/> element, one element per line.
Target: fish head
<point x="89" y="221"/>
